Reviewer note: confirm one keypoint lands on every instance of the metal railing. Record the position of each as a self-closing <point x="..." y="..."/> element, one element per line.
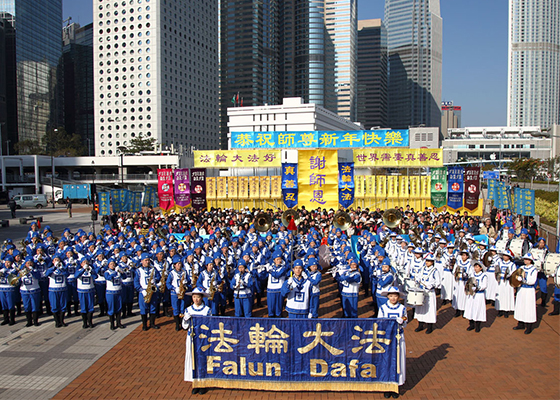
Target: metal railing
<point x="117" y="177"/>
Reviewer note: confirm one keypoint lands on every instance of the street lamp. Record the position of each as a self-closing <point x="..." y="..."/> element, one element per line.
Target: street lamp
<point x="122" y="149"/>
<point x="52" y="172"/>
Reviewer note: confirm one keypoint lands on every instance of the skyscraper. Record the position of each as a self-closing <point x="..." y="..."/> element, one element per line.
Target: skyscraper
<point x="450" y="117"/>
<point x="156" y="73"/>
<point x="534" y="63"/>
<point x="372" y="73"/>
<point x="272" y="49"/>
<point x="37" y="52"/>
<point x="77" y="93"/>
<point x="414" y="32"/>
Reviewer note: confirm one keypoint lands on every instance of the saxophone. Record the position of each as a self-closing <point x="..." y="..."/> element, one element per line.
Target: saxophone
<point x="150" y="288"/>
<point x="211" y="289"/>
<point x="182" y="287"/>
<point x="163" y="279"/>
<point x="22" y="272"/>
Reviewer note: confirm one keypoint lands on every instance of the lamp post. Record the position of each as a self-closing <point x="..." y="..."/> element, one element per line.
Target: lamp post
<point x="122" y="149"/>
<point x="52" y="172"/>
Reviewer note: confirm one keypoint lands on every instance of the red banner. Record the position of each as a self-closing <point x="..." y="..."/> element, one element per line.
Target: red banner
<point x="165" y="189"/>
<point x="472" y="187"/>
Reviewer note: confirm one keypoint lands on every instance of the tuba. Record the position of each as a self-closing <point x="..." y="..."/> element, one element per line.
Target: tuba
<point x="392" y="217"/>
<point x="289" y="215"/>
<point x="513" y="281"/>
<point x="263" y="222"/>
<point x="342" y="220"/>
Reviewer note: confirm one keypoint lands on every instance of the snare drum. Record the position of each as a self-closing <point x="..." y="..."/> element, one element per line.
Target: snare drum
<point x="415" y="298"/>
<point x="538" y="255"/>
<point x="410" y="285"/>
<point x="551" y="262"/>
<point x="501" y="245"/>
<point x="516" y="247"/>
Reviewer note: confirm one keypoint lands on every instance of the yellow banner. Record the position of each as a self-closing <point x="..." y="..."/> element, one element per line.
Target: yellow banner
<point x="211" y="188"/>
<point x="392" y="187"/>
<point x="237" y="158"/>
<point x="221" y="182"/>
<point x="397" y="157"/>
<point x="265" y="187"/>
<point x="369" y="181"/>
<point x="381" y="189"/>
<point x="414" y="187"/>
<point x="254" y="187"/>
<point x="425" y="182"/>
<point x="318" y="179"/>
<point x="275" y="187"/>
<point x="359" y="184"/>
<point x="243" y="187"/>
<point x="403" y="187"/>
<point x="232" y="187"/>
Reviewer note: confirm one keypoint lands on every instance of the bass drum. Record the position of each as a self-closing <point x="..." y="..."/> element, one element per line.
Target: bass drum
<point x="539" y="256"/>
<point x="551" y="262"/>
<point x="501" y="245"/>
<point x="557" y="277"/>
<point x="516" y="247"/>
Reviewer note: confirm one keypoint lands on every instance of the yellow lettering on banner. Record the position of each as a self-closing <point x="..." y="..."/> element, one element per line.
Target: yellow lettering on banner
<point x="338" y="371"/>
<point x="243" y="187"/>
<point x="353" y="367"/>
<point x="230" y="368"/>
<point x="258" y="372"/>
<point x="318" y="179"/>
<point x="396" y="156"/>
<point x="273" y="366"/>
<point x="237" y="158"/>
<point x="211" y="188"/>
<point x="368" y="371"/>
<point x="211" y="364"/>
<point x="232" y="187"/>
<point x="243" y="364"/>
<point x="313" y="364"/>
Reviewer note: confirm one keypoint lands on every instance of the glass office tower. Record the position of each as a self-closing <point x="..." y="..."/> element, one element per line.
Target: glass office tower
<point x="38" y="48"/>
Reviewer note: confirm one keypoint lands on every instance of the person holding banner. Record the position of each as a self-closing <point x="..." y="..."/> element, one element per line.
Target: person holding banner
<point x="393" y="309"/>
<point x="197" y="308"/>
<point x="297" y="289"/>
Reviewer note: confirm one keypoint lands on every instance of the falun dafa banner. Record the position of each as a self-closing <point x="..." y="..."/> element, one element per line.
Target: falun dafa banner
<point x="398" y="157"/>
<point x="237" y="158"/>
<point x="318" y="179"/>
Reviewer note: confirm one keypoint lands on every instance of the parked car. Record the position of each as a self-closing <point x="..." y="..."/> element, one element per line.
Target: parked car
<point x="31" y="200"/>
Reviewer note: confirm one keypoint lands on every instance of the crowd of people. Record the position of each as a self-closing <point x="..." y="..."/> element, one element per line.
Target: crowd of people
<point x="202" y="262"/>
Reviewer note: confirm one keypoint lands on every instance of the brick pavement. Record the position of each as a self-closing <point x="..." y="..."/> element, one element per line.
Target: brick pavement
<point x="451" y="363"/>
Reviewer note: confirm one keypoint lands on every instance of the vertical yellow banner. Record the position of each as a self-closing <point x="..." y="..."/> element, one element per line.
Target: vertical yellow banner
<point x="381" y="189"/>
<point x="359" y="184"/>
<point x="369" y="186"/>
<point x="265" y="187"/>
<point x="232" y="187"/>
<point x="221" y="187"/>
<point x="414" y="187"/>
<point x="243" y="187"/>
<point x="403" y="187"/>
<point x="318" y="179"/>
<point x="392" y="187"/>
<point x="275" y="187"/>
<point x="426" y="181"/>
<point x="253" y="187"/>
<point x="211" y="188"/>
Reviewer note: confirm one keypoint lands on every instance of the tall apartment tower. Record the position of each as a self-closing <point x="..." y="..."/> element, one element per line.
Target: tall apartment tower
<point x="37" y="49"/>
<point x="156" y="73"/>
<point x="414" y="32"/>
<point x="272" y="49"/>
<point x="534" y="63"/>
<point x="372" y="73"/>
<point x="450" y="117"/>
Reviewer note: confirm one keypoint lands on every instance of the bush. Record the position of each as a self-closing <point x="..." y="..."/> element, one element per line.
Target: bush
<point x="547" y="210"/>
<point x="551" y="197"/>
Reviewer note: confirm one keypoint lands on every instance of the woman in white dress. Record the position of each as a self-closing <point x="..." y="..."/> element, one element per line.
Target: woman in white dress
<point x="448" y="261"/>
<point x="393" y="309"/>
<point x="505" y="300"/>
<point x="461" y="273"/>
<point x="197" y="308"/>
<point x="475" y="305"/>
<point x="525" y="306"/>
<point x="429" y="281"/>
<point x="492" y="287"/>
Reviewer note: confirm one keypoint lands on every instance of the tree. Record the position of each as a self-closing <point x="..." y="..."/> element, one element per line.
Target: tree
<point x="58" y="142"/>
<point x="552" y="166"/>
<point x="141" y="143"/>
<point x="525" y="168"/>
<point x="28" y="146"/>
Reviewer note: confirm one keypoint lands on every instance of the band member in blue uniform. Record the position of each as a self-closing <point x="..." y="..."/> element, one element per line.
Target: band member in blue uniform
<point x="384" y="282"/>
<point x="178" y="283"/>
<point x="7" y="291"/>
<point x="242" y="285"/>
<point x="314" y="277"/>
<point x="297" y="289"/>
<point x="100" y="266"/>
<point x="277" y="272"/>
<point x="114" y="294"/>
<point x="209" y="280"/>
<point x="31" y="291"/>
<point x="350" y="281"/>
<point x="58" y="292"/>
<point x="145" y="283"/>
<point x="475" y="304"/>
<point x="85" y="277"/>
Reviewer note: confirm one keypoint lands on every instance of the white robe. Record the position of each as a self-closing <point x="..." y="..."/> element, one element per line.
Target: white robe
<point x="430" y="281"/>
<point x="187" y="324"/>
<point x="505" y="300"/>
<point x="525" y="306"/>
<point x="475" y="305"/>
<point x="459" y="296"/>
<point x="398" y="311"/>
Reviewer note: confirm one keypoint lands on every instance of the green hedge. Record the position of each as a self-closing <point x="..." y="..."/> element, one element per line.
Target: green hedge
<point x="548" y="196"/>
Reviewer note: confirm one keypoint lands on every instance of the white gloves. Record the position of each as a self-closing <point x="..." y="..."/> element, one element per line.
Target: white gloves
<point x="144" y="293"/>
<point x="399" y="320"/>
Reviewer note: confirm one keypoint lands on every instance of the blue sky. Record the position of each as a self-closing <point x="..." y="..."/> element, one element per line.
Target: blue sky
<point x="474" y="53"/>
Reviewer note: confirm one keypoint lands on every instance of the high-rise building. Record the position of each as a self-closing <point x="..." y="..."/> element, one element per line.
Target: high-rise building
<point x="450" y="117"/>
<point x="8" y="87"/>
<point x="372" y="73"/>
<point x="37" y="52"/>
<point x="273" y="49"/>
<point x="156" y="74"/>
<point x="414" y="36"/>
<point x="3" y="103"/>
<point x="77" y="76"/>
<point x="534" y="63"/>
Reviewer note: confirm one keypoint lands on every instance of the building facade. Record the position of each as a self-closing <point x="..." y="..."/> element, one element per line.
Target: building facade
<point x="414" y="35"/>
<point x="450" y="117"/>
<point x="372" y="73"/>
<point x="534" y="63"/>
<point x="37" y="53"/>
<point x="77" y="77"/>
<point x="156" y="74"/>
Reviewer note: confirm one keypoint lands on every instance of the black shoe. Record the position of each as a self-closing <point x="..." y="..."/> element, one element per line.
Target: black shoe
<point x="528" y="329"/>
<point x="478" y="326"/>
<point x="35" y="316"/>
<point x="177" y="323"/>
<point x="457" y="314"/>
<point x="144" y="322"/>
<point x="69" y="309"/>
<point x="430" y="329"/>
<point x="543" y="299"/>
<point x="12" y="317"/>
<point x="76" y="308"/>
<point x="90" y="319"/>
<point x="195" y="391"/>
<point x="101" y="310"/>
<point x="387" y="395"/>
<point x="493" y="302"/>
<point x="112" y="319"/>
<point x="6" y="314"/>
<point x="556" y="310"/>
<point x="61" y="319"/>
<point x="56" y="320"/>
<point x="119" y="324"/>
<point x="202" y="391"/>
<point x="500" y="313"/>
<point x="153" y="321"/>
<point x="420" y="327"/>
<point x="29" y="321"/>
<point x="506" y="314"/>
<point x="84" y="321"/>
<point x="520" y="325"/>
<point x="18" y="307"/>
<point x="395" y="395"/>
<point x="471" y="325"/>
